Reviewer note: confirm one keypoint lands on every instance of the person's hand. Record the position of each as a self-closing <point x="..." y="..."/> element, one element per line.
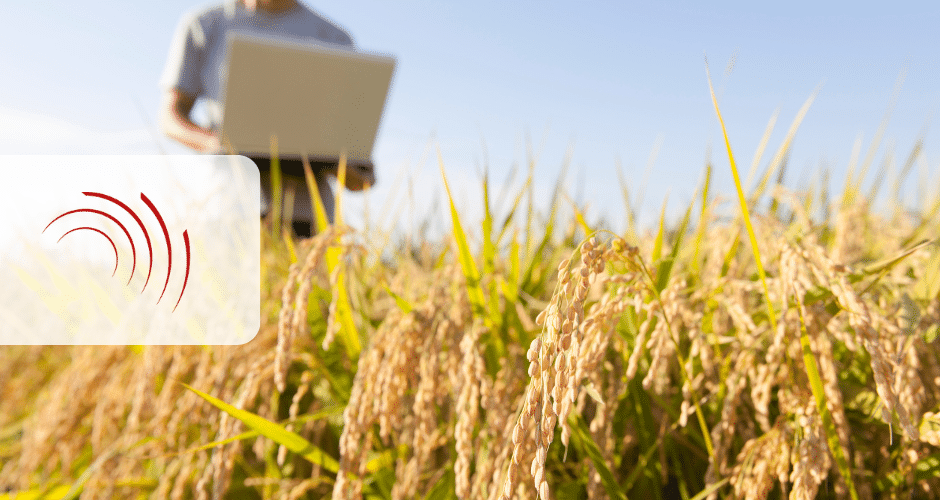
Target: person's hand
<point x="177" y="124"/>
<point x="211" y="144"/>
<point x="359" y="176"/>
<point x="362" y="177"/>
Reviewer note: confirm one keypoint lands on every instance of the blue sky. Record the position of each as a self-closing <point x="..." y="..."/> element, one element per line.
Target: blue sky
<point x="610" y="80"/>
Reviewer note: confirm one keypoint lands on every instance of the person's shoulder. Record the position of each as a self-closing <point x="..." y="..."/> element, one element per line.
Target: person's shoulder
<point x="329" y="30"/>
<point x="209" y="13"/>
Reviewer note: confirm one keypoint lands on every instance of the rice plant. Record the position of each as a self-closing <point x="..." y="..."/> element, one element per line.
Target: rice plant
<point x="788" y="353"/>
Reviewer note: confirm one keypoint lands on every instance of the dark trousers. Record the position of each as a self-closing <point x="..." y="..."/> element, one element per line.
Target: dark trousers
<point x="294" y="168"/>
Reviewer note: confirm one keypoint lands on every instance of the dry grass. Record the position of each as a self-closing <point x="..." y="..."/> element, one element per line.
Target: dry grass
<point x="545" y="365"/>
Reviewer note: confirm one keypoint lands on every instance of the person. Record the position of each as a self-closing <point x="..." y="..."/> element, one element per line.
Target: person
<point x="195" y="70"/>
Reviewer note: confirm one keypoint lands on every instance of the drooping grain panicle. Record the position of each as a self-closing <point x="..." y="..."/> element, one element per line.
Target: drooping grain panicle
<point x="657" y="376"/>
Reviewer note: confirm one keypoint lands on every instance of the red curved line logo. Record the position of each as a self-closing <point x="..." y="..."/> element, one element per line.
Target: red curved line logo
<point x="140" y="223"/>
<point x="102" y="233"/>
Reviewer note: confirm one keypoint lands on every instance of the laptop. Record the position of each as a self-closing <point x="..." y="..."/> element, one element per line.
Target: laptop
<point x="318" y="101"/>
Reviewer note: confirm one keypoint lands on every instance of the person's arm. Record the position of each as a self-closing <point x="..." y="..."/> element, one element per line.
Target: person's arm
<point x="176" y="123"/>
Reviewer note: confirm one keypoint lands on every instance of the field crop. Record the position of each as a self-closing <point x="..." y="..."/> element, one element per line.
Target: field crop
<point x="789" y="352"/>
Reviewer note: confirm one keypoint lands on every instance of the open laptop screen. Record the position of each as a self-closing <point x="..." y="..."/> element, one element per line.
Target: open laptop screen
<point x="316" y="100"/>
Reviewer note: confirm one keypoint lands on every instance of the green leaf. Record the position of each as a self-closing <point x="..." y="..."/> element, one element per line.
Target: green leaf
<point x="489" y="256"/>
<point x="582" y="439"/>
<point x="925" y="469"/>
<point x="444" y="489"/>
<point x="348" y="331"/>
<point x="511" y="284"/>
<point x="489" y="248"/>
<point x="665" y="267"/>
<point x="784" y="150"/>
<point x="579" y="217"/>
<point x="816" y="384"/>
<point x="403" y="304"/>
<point x="569" y="490"/>
<point x="512" y="211"/>
<point x="702" y="222"/>
<point x="931" y="334"/>
<point x="658" y="242"/>
<point x="49" y="493"/>
<point x="886" y="264"/>
<point x="334" y="254"/>
<point x="276" y="191"/>
<point x="472" y="275"/>
<point x="328" y="412"/>
<point x="386" y="459"/>
<point x="292" y="441"/>
<point x="729" y="256"/>
<point x="743" y="201"/>
<point x="712" y="488"/>
<point x="318" y="208"/>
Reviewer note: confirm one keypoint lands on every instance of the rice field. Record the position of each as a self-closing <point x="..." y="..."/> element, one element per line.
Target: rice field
<point x="787" y="352"/>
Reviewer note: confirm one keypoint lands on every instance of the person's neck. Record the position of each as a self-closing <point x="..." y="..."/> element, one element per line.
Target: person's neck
<point x="271" y="6"/>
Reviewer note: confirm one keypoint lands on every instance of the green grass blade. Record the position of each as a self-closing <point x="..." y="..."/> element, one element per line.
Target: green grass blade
<point x="344" y="310"/>
<point x="77" y="487"/>
<point x="403" y="304"/>
<point x="641" y="467"/>
<point x="711" y="489"/>
<point x="579" y="217"/>
<point x="537" y="258"/>
<point x="875" y="187"/>
<point x="928" y="222"/>
<point x="887" y="264"/>
<point x="276" y="191"/>
<point x="318" y="208"/>
<point x="581" y="438"/>
<point x="625" y="193"/>
<point x="784" y="150"/>
<point x="530" y="210"/>
<point x="658" y="242"/>
<point x="48" y="493"/>
<point x="347" y="332"/>
<point x="729" y="255"/>
<point x="470" y="271"/>
<point x="925" y="469"/>
<point x="329" y="412"/>
<point x="815" y="382"/>
<point x="444" y="488"/>
<point x="743" y="201"/>
<point x="665" y="267"/>
<point x="489" y="248"/>
<point x="761" y="147"/>
<point x="906" y="170"/>
<point x="702" y="222"/>
<point x="489" y="255"/>
<point x="386" y="459"/>
<point x="341" y="188"/>
<point x="292" y="441"/>
<point x="507" y="222"/>
<point x="927" y="286"/>
<point x="849" y="192"/>
<point x="511" y="283"/>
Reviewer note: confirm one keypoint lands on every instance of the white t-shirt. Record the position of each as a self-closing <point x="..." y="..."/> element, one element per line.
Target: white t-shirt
<point x="196" y="63"/>
<point x="197" y="66"/>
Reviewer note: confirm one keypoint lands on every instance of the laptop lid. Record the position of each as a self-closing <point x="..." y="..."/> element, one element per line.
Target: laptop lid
<point x="316" y="100"/>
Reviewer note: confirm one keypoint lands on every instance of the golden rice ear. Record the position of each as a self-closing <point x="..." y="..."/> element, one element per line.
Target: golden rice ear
<point x="418" y="372"/>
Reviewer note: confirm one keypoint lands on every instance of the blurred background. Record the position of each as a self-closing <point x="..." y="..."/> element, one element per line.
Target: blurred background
<point x="493" y="84"/>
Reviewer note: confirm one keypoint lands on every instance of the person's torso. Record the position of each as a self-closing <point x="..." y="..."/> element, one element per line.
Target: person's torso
<point x="296" y="24"/>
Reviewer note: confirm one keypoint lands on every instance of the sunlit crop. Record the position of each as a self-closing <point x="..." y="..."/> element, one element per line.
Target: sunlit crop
<point x="788" y="351"/>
